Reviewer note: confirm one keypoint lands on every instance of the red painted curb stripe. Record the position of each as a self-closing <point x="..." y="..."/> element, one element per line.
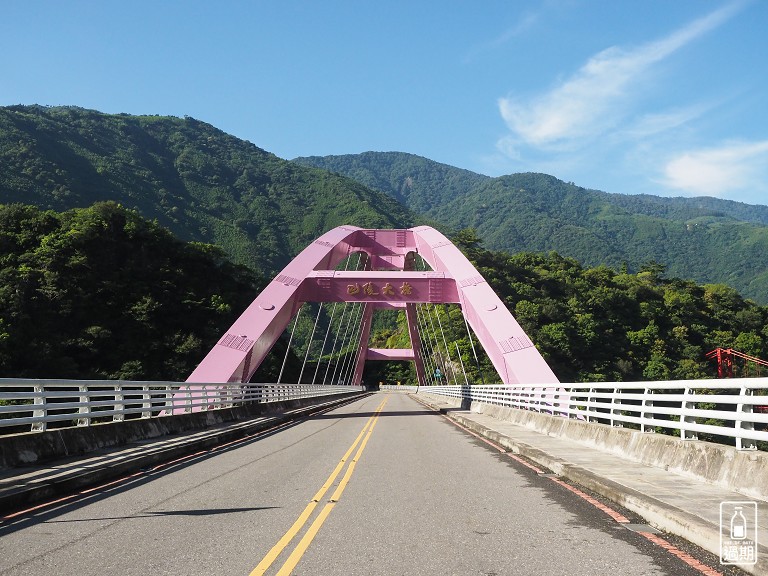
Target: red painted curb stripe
<point x="596" y="503"/>
<point x="517" y="458"/>
<point x="684" y="556"/>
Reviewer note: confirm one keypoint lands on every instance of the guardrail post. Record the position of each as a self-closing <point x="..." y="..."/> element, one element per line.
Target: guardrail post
<point x="204" y="398"/>
<point x="615" y="408"/>
<point x="188" y="399"/>
<point x="119" y="403"/>
<point x="685" y="418"/>
<point x="589" y="404"/>
<point x="40" y="412"/>
<point x="83" y="420"/>
<point x="147" y="401"/>
<point x="169" y="404"/>
<point x="647" y="403"/>
<point x="740" y="424"/>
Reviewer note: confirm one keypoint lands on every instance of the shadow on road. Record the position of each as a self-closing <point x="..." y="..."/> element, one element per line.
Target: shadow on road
<point x="164" y="513"/>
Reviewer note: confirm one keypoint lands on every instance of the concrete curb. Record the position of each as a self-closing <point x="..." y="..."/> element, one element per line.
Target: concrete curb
<point x="657" y="513"/>
<point x="24" y="487"/>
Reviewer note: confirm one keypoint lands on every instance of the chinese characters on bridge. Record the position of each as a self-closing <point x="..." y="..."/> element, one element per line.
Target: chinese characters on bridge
<point x="372" y="289"/>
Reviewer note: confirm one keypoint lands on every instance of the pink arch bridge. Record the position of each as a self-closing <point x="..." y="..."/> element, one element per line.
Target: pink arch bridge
<point x="388" y="281"/>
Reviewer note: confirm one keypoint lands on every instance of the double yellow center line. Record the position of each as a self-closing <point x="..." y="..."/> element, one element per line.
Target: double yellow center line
<point x="314" y="528"/>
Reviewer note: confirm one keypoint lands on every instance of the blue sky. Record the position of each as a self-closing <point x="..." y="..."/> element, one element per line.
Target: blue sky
<point x="667" y="97"/>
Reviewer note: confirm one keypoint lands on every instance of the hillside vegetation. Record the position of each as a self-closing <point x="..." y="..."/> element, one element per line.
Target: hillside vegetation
<point x="705" y="239"/>
<point x="102" y="293"/>
<point x="194" y="179"/>
<point x="596" y="324"/>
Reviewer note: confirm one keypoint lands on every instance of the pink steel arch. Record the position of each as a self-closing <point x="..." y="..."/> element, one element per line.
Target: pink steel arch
<point x="389" y="281"/>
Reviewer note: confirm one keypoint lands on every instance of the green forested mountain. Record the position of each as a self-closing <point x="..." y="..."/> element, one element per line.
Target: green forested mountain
<point x="197" y="181"/>
<point x="705" y="239"/>
<point x="420" y="184"/>
<point x="594" y="324"/>
<point x="94" y="289"/>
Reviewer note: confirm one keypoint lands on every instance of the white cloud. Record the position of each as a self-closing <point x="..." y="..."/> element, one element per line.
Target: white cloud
<point x="735" y="167"/>
<point x="657" y="122"/>
<point x="523" y="25"/>
<point x="597" y="98"/>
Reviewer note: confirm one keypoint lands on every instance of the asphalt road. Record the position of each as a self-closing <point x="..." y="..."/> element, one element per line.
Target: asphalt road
<point x="379" y="486"/>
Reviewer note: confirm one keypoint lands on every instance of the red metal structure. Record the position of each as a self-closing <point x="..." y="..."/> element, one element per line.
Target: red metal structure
<point x="389" y="281"/>
<point x="725" y="356"/>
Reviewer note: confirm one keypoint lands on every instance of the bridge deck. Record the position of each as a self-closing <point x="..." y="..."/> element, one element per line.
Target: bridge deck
<point x="420" y="490"/>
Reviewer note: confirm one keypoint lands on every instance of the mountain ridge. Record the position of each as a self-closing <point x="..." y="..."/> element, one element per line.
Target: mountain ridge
<point x="194" y="179"/>
<point x="705" y="239"/>
<point x="206" y="185"/>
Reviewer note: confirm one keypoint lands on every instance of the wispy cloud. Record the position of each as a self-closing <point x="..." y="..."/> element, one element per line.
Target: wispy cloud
<point x="525" y="23"/>
<point x="658" y="122"/>
<point x="599" y="96"/>
<point x="719" y="171"/>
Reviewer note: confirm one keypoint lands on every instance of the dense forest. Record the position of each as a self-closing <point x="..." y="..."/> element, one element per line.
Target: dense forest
<point x="102" y="293"/>
<point x="706" y="239"/>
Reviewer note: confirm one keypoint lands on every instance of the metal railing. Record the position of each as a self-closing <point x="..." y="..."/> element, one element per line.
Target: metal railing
<point x="400" y="387"/>
<point x="36" y="404"/>
<point x="734" y="408"/>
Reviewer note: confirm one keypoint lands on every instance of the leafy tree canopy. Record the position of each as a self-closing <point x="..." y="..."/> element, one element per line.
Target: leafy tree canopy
<point x="100" y="292"/>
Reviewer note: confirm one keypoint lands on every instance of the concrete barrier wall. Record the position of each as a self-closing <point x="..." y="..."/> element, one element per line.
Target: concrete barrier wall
<point x="744" y="471"/>
<point x="35" y="448"/>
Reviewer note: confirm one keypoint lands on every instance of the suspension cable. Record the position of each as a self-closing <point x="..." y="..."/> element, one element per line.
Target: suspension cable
<point x="288" y="348"/>
<point x="427" y="347"/>
<point x="434" y="335"/>
<point x="341" y="364"/>
<point x="325" y="340"/>
<point x="458" y="352"/>
<point x="348" y="371"/>
<point x="427" y="352"/>
<point x="346" y="330"/>
<point x="309" y="342"/>
<point x="330" y="324"/>
<point x="445" y="344"/>
<point x="336" y="333"/>
<point x="427" y="341"/>
<point x="472" y="344"/>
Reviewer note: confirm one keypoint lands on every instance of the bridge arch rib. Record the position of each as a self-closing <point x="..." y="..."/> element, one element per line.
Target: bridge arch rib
<point x="388" y="281"/>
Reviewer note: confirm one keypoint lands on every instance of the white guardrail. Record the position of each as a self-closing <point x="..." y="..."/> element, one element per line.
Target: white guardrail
<point x="735" y="408"/>
<point x="400" y="387"/>
<point x="37" y="403"/>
